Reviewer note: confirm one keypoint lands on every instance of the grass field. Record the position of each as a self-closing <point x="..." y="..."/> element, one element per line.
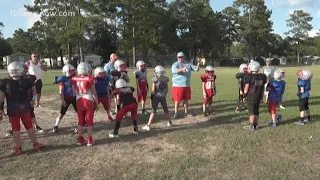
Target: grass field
<point x="214" y="147"/>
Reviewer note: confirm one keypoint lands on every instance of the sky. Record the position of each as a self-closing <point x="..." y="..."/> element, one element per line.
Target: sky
<point x="14" y="16"/>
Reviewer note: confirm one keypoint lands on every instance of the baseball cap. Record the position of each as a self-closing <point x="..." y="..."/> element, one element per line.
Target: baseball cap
<point x="180" y="54"/>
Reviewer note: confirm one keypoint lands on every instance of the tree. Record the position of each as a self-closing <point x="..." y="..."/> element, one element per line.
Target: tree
<point x="1" y="26"/>
<point x="255" y="25"/>
<point x="300" y="24"/>
<point x="5" y="48"/>
<point x="231" y="20"/>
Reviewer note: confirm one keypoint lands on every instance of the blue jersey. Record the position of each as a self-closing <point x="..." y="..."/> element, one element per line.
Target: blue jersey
<point x="102" y="86"/>
<point x="64" y="81"/>
<point x="276" y="90"/>
<point x="109" y="67"/>
<point x="306" y="84"/>
<point x="182" y="79"/>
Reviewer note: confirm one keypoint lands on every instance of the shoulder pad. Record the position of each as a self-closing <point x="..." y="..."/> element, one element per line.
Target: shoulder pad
<point x="61" y="79"/>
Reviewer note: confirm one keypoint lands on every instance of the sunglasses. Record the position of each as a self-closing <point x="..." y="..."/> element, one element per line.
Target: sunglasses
<point x="180" y="57"/>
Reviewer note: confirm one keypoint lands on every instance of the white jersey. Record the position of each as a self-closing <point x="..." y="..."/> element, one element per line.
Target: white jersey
<point x="35" y="69"/>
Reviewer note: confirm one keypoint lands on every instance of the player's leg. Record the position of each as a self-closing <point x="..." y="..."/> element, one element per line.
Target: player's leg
<point x="154" y="105"/>
<point x="239" y="101"/>
<point x="272" y="108"/>
<point x="63" y="111"/>
<point x="177" y="98"/>
<point x="81" y="120"/>
<point x="143" y="102"/>
<point x="15" y="126"/>
<point x="307" y="110"/>
<point x="38" y="85"/>
<point x="89" y="113"/>
<point x="133" y="108"/>
<point x="164" y="105"/>
<point x="122" y="112"/>
<point x="34" y="121"/>
<point x="186" y="99"/>
<point x="27" y="122"/>
<point x="105" y="103"/>
<point x="252" y="116"/>
<point x="210" y="107"/>
<point x="302" y="111"/>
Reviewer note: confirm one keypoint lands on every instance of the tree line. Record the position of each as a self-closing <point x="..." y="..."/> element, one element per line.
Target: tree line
<point x="161" y="28"/>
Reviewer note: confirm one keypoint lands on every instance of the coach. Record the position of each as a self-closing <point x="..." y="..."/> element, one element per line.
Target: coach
<point x="181" y="74"/>
<point x="109" y="67"/>
<point x="35" y="67"/>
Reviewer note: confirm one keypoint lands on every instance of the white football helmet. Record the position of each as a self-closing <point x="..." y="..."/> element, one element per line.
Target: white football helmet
<point x="242" y="67"/>
<point x="15" y="69"/>
<point x="277" y="75"/>
<point x="306" y="75"/>
<point x="117" y="65"/>
<point x="99" y="70"/>
<point x="140" y="63"/>
<point x="254" y="66"/>
<point x="209" y="68"/>
<point x="67" y="68"/>
<point x="84" y="68"/>
<point x="159" y="71"/>
<point x="120" y="83"/>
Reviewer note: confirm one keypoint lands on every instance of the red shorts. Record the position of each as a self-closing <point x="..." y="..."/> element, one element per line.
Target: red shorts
<point x="133" y="108"/>
<point x="25" y="118"/>
<point x="272" y="107"/>
<point x="208" y="100"/>
<point x="85" y="111"/>
<point x="105" y="102"/>
<point x="181" y="93"/>
<point x="142" y="96"/>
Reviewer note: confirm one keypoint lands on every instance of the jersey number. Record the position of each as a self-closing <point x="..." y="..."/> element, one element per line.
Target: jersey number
<point x="81" y="88"/>
<point x="209" y="85"/>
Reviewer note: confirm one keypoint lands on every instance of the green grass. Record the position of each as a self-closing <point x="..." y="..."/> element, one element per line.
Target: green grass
<point x="215" y="147"/>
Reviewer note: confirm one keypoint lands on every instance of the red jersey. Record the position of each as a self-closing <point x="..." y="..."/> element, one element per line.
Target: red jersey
<point x="82" y="85"/>
<point x="209" y="83"/>
<point x="141" y="76"/>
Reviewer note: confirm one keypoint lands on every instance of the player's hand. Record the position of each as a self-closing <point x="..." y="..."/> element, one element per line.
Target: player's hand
<point x="63" y="103"/>
<point x="204" y="95"/>
<point x="32" y="103"/>
<point x="244" y="100"/>
<point x="139" y="92"/>
<point x="97" y="107"/>
<point x="241" y="92"/>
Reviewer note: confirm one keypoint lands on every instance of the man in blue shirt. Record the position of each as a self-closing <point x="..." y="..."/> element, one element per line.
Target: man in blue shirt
<point x="181" y="74"/>
<point x="109" y="67"/>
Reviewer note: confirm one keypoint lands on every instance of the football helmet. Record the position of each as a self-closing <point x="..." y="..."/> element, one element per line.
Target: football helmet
<point x="100" y="72"/>
<point x="159" y="71"/>
<point x="254" y="66"/>
<point x="140" y="65"/>
<point x="84" y="68"/>
<point x="68" y="70"/>
<point x="15" y="69"/>
<point x="119" y="65"/>
<point x="120" y="83"/>
<point x="243" y="68"/>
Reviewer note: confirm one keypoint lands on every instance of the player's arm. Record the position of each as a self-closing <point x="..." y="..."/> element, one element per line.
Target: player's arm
<point x="195" y="68"/>
<point x="301" y="89"/>
<point x="43" y="67"/>
<point x="176" y="70"/>
<point x="94" y="93"/>
<point x="204" y="89"/>
<point x="2" y="97"/>
<point x="137" y="83"/>
<point x="61" y="89"/>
